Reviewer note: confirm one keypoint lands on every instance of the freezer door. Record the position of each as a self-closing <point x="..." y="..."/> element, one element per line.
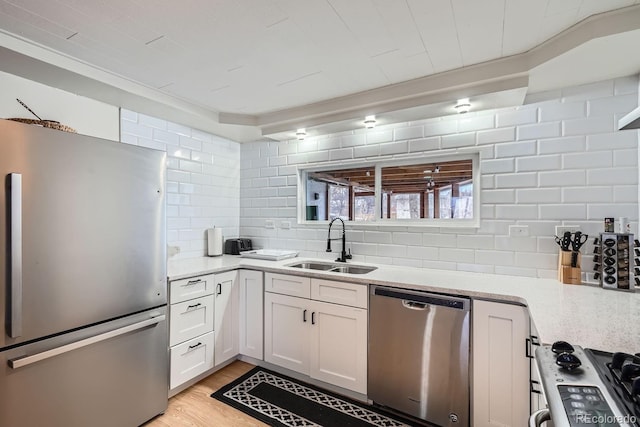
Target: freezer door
<point x="115" y="374"/>
<point x="82" y="231"/>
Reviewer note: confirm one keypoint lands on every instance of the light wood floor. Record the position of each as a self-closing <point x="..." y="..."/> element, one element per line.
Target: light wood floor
<point x="195" y="407"/>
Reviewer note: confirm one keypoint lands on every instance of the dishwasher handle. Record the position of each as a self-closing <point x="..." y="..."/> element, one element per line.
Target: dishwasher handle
<point x="418" y="300"/>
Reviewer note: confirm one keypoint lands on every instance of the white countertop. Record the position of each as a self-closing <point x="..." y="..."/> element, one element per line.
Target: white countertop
<point x="584" y="315"/>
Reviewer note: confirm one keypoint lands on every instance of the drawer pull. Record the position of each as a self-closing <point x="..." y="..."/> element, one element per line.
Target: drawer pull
<point x="191" y="347"/>
<point x="193" y="306"/>
<point x="192" y="282"/>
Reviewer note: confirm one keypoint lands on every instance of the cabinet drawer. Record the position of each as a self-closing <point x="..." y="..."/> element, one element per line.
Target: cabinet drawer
<point x="339" y="292"/>
<point x="193" y="287"/>
<point x="190" y="319"/>
<point x="288" y="285"/>
<point x="191" y="358"/>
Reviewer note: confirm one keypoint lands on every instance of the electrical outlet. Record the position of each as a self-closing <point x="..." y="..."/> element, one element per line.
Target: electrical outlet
<point x="561" y="229"/>
<point x="518" y="230"/>
<point x="285" y="224"/>
<point x="269" y="223"/>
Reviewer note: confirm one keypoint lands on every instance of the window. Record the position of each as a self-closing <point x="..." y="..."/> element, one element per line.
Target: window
<point x="417" y="191"/>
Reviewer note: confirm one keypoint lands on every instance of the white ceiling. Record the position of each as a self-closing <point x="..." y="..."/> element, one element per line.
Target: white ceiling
<point x="259" y="61"/>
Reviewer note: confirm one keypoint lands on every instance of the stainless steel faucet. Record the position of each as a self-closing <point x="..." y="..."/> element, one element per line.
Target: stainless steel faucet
<point x="344" y="256"/>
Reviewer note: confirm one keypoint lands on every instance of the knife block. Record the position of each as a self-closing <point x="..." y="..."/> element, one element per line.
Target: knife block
<point x="566" y="273"/>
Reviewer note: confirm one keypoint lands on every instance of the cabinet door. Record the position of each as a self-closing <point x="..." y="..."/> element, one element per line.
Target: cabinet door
<point x="286" y="331"/>
<point x="251" y="313"/>
<point x="226" y="316"/>
<point x="339" y="345"/>
<point x="285" y="284"/>
<point x="500" y="364"/>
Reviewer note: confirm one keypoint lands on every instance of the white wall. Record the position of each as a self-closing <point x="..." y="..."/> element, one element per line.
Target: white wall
<point x="87" y="116"/>
<point x="555" y="160"/>
<point x="203" y="179"/>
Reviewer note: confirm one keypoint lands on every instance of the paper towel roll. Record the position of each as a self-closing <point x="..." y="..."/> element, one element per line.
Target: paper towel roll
<point x="214" y="241"/>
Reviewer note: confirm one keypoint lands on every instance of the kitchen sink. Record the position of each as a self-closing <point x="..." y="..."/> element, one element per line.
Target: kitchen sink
<point x="336" y="268"/>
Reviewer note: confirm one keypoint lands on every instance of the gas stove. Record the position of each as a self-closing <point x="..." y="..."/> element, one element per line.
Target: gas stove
<point x="590" y="388"/>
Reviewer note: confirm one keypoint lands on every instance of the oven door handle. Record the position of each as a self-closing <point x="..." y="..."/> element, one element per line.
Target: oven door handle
<point x="537" y="418"/>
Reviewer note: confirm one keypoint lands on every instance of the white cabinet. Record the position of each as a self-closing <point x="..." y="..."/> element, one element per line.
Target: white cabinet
<point x="191" y="321"/>
<point x="321" y="339"/>
<point x="339" y="345"/>
<point x="226" y="322"/>
<point x="251" y="313"/>
<point x="501" y="367"/>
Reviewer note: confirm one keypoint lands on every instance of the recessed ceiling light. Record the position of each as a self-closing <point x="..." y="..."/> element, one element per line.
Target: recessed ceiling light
<point x="463" y="105"/>
<point x="301" y="133"/>
<point x="370" y="122"/>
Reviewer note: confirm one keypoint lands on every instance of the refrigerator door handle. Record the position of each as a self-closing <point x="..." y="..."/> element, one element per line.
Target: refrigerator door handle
<point x="20" y="362"/>
<point x="16" y="254"/>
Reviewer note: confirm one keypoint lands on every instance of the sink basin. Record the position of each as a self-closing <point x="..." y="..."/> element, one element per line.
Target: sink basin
<point x="312" y="266"/>
<point x="336" y="268"/>
<point x="353" y="269"/>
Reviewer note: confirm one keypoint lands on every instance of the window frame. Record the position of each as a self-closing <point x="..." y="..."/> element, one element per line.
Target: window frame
<point x="378" y="165"/>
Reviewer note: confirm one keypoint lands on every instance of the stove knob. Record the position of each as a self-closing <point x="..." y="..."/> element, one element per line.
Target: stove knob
<point x="568" y="361"/>
<point x="630" y="371"/>
<point x="561" y="347"/>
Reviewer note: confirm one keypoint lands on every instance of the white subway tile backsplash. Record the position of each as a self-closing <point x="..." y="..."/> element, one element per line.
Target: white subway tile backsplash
<point x="353" y="140"/>
<point x="412" y="132"/>
<point x="591" y="194"/>
<point x="458" y="140"/>
<point x="562" y="178"/>
<point x="366" y="151"/>
<point x="188" y="142"/>
<point x="562" y="145"/>
<point x="538" y="163"/>
<point x="612" y="176"/>
<point x="516" y="149"/>
<point x="591" y="125"/>
<point x="376" y="137"/>
<point x="498" y="166"/>
<point x="516" y="180"/>
<point x="341" y="154"/>
<point x="498" y="196"/>
<point x="475" y="123"/>
<point x="588" y="160"/>
<point x="426" y="144"/>
<point x="530" y="174"/>
<point x="496" y="135"/>
<point x="540" y="130"/>
<point x="394" y="148"/>
<point x="563" y="211"/>
<point x="517" y="117"/>
<point x="625" y="157"/>
<point x="562" y="110"/>
<point x="538" y="195"/>
<point x="440" y="127"/>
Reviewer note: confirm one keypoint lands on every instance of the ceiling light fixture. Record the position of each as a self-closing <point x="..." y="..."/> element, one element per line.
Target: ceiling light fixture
<point x="300" y="134"/>
<point x="463" y="106"/>
<point x="370" y="122"/>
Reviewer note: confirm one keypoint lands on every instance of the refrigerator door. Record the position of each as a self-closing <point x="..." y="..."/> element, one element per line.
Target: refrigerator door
<point x="114" y="374"/>
<point x="82" y="231"/>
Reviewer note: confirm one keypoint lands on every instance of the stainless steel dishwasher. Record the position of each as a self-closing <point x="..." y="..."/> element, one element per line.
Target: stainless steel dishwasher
<point x="419" y="354"/>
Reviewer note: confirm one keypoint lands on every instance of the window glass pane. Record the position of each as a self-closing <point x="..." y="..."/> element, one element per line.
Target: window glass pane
<point x="463" y="204"/>
<point x="430" y="205"/>
<point x="364" y="208"/>
<point x="445" y="202"/>
<point x="405" y="206"/>
<point x="338" y="202"/>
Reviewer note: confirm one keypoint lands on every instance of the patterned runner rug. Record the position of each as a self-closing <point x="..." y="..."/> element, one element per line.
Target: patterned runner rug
<point x="279" y="400"/>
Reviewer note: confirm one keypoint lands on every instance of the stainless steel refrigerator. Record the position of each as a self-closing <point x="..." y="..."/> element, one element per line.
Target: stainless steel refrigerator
<point x="84" y="336"/>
